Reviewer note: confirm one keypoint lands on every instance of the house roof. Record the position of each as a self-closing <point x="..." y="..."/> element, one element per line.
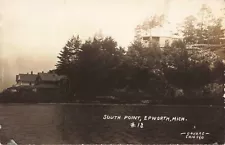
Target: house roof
<point x="50" y="77"/>
<point x="160" y="32"/>
<point x="26" y="77"/>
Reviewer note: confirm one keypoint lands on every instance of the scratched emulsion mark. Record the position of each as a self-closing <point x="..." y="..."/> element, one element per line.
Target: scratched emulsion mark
<point x="137" y="121"/>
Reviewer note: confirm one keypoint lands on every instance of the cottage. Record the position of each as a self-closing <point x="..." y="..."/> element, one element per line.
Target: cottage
<point x="49" y="81"/>
<point x="26" y="79"/>
<point x="41" y="81"/>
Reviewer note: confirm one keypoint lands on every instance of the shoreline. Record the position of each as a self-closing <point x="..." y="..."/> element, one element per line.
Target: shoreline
<point x="111" y="104"/>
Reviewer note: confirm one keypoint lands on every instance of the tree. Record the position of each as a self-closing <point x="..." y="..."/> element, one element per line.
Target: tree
<point x="203" y="29"/>
<point x="68" y="55"/>
<point x="191" y="70"/>
<point x="205" y="17"/>
<point x="152" y="22"/>
<point x="52" y="71"/>
<point x="64" y="61"/>
<point x="217" y="75"/>
<point x="145" y="69"/>
<point x="215" y="31"/>
<point x="189" y="30"/>
<point x="209" y="27"/>
<point x="95" y="68"/>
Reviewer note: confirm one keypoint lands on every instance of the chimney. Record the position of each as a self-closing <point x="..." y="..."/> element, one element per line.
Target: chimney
<point x="31" y="72"/>
<point x="17" y="77"/>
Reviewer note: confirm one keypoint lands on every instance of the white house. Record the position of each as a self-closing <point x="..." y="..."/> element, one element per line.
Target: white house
<point x="162" y="35"/>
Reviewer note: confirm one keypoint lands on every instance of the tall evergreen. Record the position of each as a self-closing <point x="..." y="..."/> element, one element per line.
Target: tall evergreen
<point x="67" y="56"/>
<point x="62" y="65"/>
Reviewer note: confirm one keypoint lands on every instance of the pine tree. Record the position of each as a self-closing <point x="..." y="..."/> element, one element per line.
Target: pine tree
<point x="64" y="61"/>
<point x="68" y="56"/>
<point x="206" y="18"/>
<point x="189" y="30"/>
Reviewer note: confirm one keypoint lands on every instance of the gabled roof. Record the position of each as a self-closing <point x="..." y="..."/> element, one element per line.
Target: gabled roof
<point x="50" y="77"/>
<point x="26" y="77"/>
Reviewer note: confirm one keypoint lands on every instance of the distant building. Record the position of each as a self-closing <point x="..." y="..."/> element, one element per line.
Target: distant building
<point x="162" y="38"/>
<point x="26" y="79"/>
<point x="41" y="81"/>
<point x="163" y="35"/>
<point x="49" y="81"/>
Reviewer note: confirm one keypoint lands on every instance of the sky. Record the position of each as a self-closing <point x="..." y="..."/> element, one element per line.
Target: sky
<point x="32" y="32"/>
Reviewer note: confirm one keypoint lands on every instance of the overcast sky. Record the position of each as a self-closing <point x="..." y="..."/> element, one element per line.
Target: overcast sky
<point x="38" y="29"/>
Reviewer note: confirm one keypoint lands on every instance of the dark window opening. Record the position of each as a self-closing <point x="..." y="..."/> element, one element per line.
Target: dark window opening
<point x="146" y="38"/>
<point x="156" y="39"/>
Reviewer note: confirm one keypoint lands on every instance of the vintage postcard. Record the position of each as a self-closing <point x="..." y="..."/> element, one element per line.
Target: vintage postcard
<point x="112" y="72"/>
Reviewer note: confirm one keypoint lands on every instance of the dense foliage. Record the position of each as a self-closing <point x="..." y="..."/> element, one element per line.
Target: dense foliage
<point x="99" y="66"/>
<point x="204" y="28"/>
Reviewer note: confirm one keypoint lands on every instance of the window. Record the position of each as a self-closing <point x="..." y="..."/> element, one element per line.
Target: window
<point x="145" y="38"/>
<point x="156" y="39"/>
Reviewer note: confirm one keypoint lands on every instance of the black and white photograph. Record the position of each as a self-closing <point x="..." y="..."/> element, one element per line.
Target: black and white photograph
<point x="112" y="72"/>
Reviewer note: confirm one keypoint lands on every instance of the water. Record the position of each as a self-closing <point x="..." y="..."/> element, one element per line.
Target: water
<point x="74" y="124"/>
